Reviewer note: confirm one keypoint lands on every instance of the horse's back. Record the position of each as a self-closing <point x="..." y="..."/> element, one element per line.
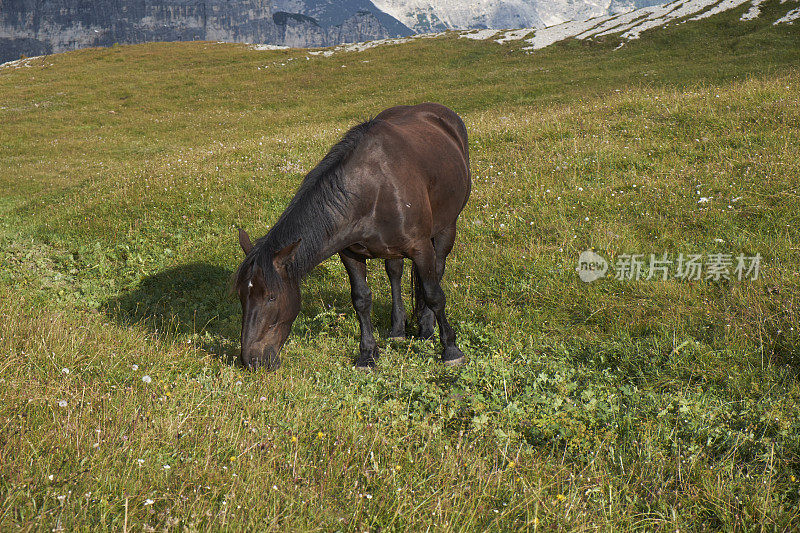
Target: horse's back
<point x="428" y="142"/>
<point x="410" y="175"/>
<point x="428" y="116"/>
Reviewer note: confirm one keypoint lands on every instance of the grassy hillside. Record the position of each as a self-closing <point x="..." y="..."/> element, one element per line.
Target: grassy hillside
<point x="617" y="404"/>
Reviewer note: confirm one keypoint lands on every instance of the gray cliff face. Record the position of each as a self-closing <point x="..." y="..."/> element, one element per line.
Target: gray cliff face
<point x="300" y="30"/>
<point x="36" y="27"/>
<point x="330" y="13"/>
<point x="363" y="26"/>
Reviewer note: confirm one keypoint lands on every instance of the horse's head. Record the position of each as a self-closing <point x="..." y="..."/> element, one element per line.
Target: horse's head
<point x="270" y="303"/>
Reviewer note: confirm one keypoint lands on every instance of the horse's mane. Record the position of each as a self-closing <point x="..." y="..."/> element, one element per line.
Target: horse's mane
<point x="312" y="212"/>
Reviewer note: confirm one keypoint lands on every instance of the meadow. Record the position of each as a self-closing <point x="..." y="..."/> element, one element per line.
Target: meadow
<point x="620" y="404"/>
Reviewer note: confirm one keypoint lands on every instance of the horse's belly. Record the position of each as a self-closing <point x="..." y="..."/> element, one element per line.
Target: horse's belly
<point x="372" y="250"/>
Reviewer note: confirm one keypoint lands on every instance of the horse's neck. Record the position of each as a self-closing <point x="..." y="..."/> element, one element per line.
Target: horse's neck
<point x="312" y="249"/>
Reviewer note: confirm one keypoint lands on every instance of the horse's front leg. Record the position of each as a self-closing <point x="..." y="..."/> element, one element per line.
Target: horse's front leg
<point x="362" y="302"/>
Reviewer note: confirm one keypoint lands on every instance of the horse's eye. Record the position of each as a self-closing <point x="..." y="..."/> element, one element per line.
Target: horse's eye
<point x="271" y="299"/>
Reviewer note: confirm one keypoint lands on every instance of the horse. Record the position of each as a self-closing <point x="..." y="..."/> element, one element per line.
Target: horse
<point x="391" y="188"/>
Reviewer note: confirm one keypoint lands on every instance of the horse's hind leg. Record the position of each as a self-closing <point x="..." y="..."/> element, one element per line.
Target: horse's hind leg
<point x="442" y="245"/>
<point x="425" y="318"/>
<point x="362" y="301"/>
<point x="429" y="263"/>
<point x="394" y="270"/>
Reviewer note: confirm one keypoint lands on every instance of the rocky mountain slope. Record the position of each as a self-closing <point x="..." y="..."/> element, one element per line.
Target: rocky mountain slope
<point x="330" y="13"/>
<point x="36" y="27"/>
<point x="298" y="30"/>
<point x="624" y="26"/>
<point x="630" y="25"/>
<point x="29" y="27"/>
<point x="439" y="15"/>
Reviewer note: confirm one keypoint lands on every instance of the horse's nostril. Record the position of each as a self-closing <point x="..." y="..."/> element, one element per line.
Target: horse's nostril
<point x="252" y="362"/>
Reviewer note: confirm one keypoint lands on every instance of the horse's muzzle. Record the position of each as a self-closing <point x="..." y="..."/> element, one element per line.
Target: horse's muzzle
<point x="268" y="359"/>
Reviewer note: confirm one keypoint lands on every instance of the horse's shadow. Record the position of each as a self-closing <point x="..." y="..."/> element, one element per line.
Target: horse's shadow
<point x="196" y="302"/>
<point x="191" y="302"/>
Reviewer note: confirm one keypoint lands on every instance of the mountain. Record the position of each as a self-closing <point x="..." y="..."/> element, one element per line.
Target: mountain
<point x="630" y="25"/>
<point x="330" y="13"/>
<point x="301" y="31"/>
<point x="439" y="15"/>
<point x="37" y="27"/>
<point x="624" y="27"/>
<point x="34" y="27"/>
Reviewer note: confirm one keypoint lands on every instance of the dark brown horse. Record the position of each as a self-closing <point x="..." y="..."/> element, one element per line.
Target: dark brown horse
<point x="393" y="187"/>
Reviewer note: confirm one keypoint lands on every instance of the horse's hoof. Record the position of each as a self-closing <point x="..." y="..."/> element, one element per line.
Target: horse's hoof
<point x="455" y="362"/>
<point x="367" y="360"/>
<point x="452" y="356"/>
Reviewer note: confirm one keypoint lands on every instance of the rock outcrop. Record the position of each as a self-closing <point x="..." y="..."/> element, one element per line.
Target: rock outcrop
<point x="295" y="29"/>
<point x="363" y="26"/>
<point x="331" y="13"/>
<point x="299" y="30"/>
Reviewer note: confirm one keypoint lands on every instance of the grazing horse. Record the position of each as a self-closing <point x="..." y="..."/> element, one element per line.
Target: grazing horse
<point x="391" y="188"/>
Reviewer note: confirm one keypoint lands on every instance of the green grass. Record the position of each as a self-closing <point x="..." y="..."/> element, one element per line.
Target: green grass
<point x="615" y="405"/>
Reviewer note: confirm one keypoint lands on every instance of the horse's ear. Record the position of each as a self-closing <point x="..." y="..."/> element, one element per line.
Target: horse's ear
<point x="257" y="279"/>
<point x="285" y="256"/>
<point x="244" y="241"/>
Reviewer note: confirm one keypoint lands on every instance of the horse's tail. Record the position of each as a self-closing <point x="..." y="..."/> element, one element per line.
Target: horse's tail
<point x="416" y="287"/>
